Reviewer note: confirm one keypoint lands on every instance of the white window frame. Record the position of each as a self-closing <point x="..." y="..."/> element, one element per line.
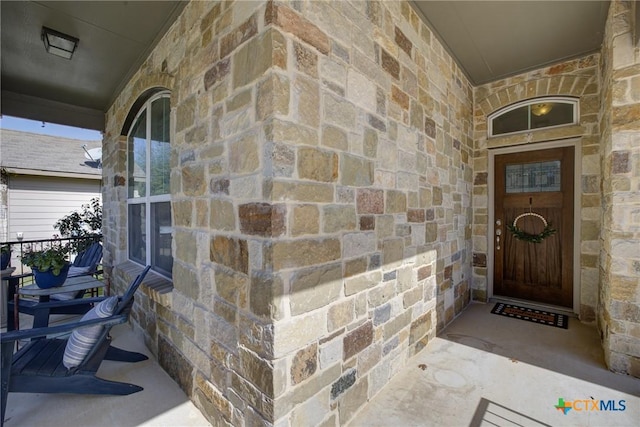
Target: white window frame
<point x="528" y="103"/>
<point x="147" y="200"/>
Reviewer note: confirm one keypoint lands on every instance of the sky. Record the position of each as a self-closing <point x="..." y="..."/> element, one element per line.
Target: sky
<point x="14" y="123"/>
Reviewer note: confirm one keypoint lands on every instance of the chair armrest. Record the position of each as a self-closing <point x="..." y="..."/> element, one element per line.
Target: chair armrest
<point x="25" y="334"/>
<point x="81" y="271"/>
<point x="68" y="303"/>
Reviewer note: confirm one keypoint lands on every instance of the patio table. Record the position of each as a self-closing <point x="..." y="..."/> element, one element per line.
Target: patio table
<point x="72" y="284"/>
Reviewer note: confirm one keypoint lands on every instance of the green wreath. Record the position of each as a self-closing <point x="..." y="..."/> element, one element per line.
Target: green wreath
<point x="531" y="238"/>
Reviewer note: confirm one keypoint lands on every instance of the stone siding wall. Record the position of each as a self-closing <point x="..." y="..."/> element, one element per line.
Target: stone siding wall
<point x="577" y="78"/>
<point x="371" y="179"/>
<point x="619" y="310"/>
<point x="321" y="198"/>
<point x="206" y="327"/>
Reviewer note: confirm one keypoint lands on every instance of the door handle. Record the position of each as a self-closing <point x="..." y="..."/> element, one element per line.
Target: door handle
<point x="498" y="234"/>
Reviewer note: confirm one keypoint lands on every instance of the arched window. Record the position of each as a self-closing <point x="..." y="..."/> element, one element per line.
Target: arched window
<point x="534" y="114"/>
<point x="149" y="198"/>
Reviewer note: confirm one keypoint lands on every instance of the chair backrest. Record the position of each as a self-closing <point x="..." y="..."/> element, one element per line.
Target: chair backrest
<point x="127" y="298"/>
<point x="90" y="257"/>
<point x="93" y="359"/>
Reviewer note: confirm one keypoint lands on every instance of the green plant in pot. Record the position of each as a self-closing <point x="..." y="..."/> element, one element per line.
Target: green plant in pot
<point x="49" y="265"/>
<point x="5" y="251"/>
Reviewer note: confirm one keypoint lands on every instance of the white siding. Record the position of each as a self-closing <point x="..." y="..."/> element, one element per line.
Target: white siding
<point x="36" y="203"/>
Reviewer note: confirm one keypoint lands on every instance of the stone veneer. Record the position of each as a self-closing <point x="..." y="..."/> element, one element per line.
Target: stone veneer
<point x="321" y="196"/>
<point x="619" y="304"/>
<point x="576" y="78"/>
<point x="325" y="156"/>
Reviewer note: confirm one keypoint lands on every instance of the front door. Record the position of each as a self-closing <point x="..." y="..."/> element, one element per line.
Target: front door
<point x="533" y="230"/>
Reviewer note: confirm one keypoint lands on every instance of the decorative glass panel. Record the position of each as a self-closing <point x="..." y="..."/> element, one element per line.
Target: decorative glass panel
<point x="138" y="158"/>
<point x="160" y="148"/>
<point x="533" y="177"/>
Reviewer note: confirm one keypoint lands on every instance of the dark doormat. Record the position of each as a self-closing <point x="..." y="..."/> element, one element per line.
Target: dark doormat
<point x="532" y="315"/>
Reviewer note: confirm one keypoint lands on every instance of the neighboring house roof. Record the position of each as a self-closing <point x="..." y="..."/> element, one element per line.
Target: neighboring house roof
<point x="34" y="154"/>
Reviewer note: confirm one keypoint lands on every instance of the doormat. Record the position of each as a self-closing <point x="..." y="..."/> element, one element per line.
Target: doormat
<point x="532" y="315"/>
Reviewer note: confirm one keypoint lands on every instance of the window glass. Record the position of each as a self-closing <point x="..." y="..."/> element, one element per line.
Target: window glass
<point x="138" y="157"/>
<point x="149" y="211"/>
<point x="511" y="121"/>
<point x="161" y="235"/>
<point x="160" y="149"/>
<point x="556" y="113"/>
<point x="137" y="238"/>
<point x="533" y="114"/>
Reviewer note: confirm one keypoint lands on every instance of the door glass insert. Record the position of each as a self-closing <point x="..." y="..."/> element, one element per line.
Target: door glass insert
<point x="533" y="177"/>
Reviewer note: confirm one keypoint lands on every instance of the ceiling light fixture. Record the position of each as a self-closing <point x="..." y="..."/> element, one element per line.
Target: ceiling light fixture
<point x="541" y="109"/>
<point x="57" y="43"/>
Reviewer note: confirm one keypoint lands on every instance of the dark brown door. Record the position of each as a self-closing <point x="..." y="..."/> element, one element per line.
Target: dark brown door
<point x="530" y="183"/>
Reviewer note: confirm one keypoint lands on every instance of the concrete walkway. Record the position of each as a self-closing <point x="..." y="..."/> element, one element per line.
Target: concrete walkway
<point x="483" y="370"/>
<point x="491" y="370"/>
<point x="161" y="403"/>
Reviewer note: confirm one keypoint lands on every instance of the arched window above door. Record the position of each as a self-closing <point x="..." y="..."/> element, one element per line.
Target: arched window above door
<point x="534" y="114"/>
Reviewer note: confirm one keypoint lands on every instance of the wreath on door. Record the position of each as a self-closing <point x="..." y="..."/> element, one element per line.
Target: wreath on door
<point x="527" y="237"/>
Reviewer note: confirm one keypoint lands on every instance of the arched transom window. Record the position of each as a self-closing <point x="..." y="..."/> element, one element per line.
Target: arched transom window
<point x="534" y="114"/>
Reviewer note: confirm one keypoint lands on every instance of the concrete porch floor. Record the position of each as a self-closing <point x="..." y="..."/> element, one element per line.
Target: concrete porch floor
<point x="487" y="370"/>
<point x="483" y="369"/>
<point x="161" y="403"/>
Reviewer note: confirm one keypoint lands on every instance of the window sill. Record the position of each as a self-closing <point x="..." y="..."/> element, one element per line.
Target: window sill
<point x="156" y="287"/>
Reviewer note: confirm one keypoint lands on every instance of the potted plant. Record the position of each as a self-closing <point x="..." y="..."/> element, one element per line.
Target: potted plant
<point x="5" y="250"/>
<point x="49" y="265"/>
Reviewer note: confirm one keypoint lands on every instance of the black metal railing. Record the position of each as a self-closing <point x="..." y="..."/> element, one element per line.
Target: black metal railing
<point x="19" y="247"/>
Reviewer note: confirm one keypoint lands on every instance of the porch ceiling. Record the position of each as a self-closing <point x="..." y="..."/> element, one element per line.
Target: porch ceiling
<point x="488" y="39"/>
<point x="492" y="40"/>
<point x="115" y="38"/>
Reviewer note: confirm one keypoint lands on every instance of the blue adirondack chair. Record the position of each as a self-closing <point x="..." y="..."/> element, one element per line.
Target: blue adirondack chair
<point x="85" y="263"/>
<point x="89" y="259"/>
<point x="38" y="366"/>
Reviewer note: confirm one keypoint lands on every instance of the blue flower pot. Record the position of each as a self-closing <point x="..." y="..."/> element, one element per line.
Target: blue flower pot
<point x="46" y="279"/>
